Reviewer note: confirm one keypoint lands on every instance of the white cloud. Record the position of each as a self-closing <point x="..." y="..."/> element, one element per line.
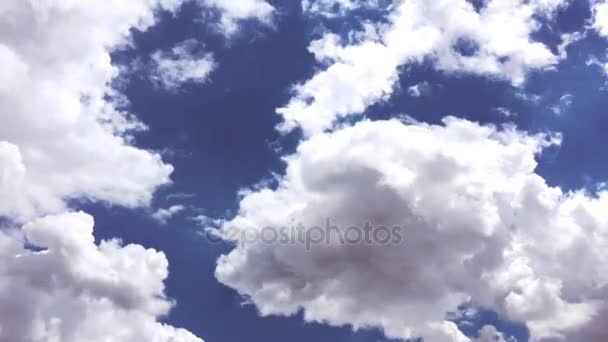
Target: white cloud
<point x="234" y="11"/>
<point x="363" y="72"/>
<point x="505" y="112"/>
<point x="206" y="221"/>
<point x="181" y="65"/>
<point x="529" y="97"/>
<point x="567" y="40"/>
<point x="333" y="8"/>
<point x="599" y="9"/>
<point x="479" y="226"/>
<point x="489" y="333"/>
<point x="419" y="89"/>
<point x="594" y="61"/>
<point x="163" y="215"/>
<point x="61" y="137"/>
<point x="548" y="7"/>
<point x="75" y="291"/>
<point x="565" y="102"/>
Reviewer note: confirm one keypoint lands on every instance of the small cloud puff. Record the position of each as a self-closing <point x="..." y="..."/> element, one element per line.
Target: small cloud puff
<point x="163" y="215"/>
<point x="182" y="64"/>
<point x="419" y="89"/>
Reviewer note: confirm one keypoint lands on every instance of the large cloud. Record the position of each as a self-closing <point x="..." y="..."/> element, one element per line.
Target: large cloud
<point x="479" y="226"/>
<point x="64" y="136"/>
<point x="64" y="133"/>
<point x="71" y="290"/>
<point x="495" y="41"/>
<point x="61" y="137"/>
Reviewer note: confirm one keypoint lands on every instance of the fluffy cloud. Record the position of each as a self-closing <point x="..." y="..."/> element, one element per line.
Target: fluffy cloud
<point x="600" y="17"/>
<point x="234" y="11"/>
<point x="495" y="41"/>
<point x="68" y="289"/>
<point x="64" y="136"/>
<point x="181" y="65"/>
<point x="479" y="226"/>
<point x="61" y="137"/>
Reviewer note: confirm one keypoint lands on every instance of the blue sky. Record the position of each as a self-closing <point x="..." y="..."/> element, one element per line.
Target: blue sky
<point x="239" y="127"/>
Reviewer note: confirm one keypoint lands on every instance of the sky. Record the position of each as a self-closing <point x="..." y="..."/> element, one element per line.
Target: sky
<point x="155" y="153"/>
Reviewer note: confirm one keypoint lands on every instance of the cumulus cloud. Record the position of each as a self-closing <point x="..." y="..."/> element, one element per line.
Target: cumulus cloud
<point x="479" y="226"/>
<point x="62" y="135"/>
<point x="234" y="11"/>
<point x="69" y="289"/>
<point x="495" y="40"/>
<point x="182" y="64"/>
<point x="65" y="135"/>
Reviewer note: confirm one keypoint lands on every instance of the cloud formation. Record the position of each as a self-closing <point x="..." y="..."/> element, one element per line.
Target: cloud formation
<point x="64" y="134"/>
<point x="235" y="11"/>
<point x="599" y="10"/>
<point x="66" y="288"/>
<point x="182" y="64"/>
<point x="495" y="40"/>
<point x="163" y="215"/>
<point x="334" y="8"/>
<point x="419" y="89"/>
<point x="479" y="227"/>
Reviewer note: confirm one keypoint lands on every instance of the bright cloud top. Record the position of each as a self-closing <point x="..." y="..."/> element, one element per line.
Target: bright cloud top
<point x="495" y="41"/>
<point x="600" y="17"/>
<point x="479" y="227"/>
